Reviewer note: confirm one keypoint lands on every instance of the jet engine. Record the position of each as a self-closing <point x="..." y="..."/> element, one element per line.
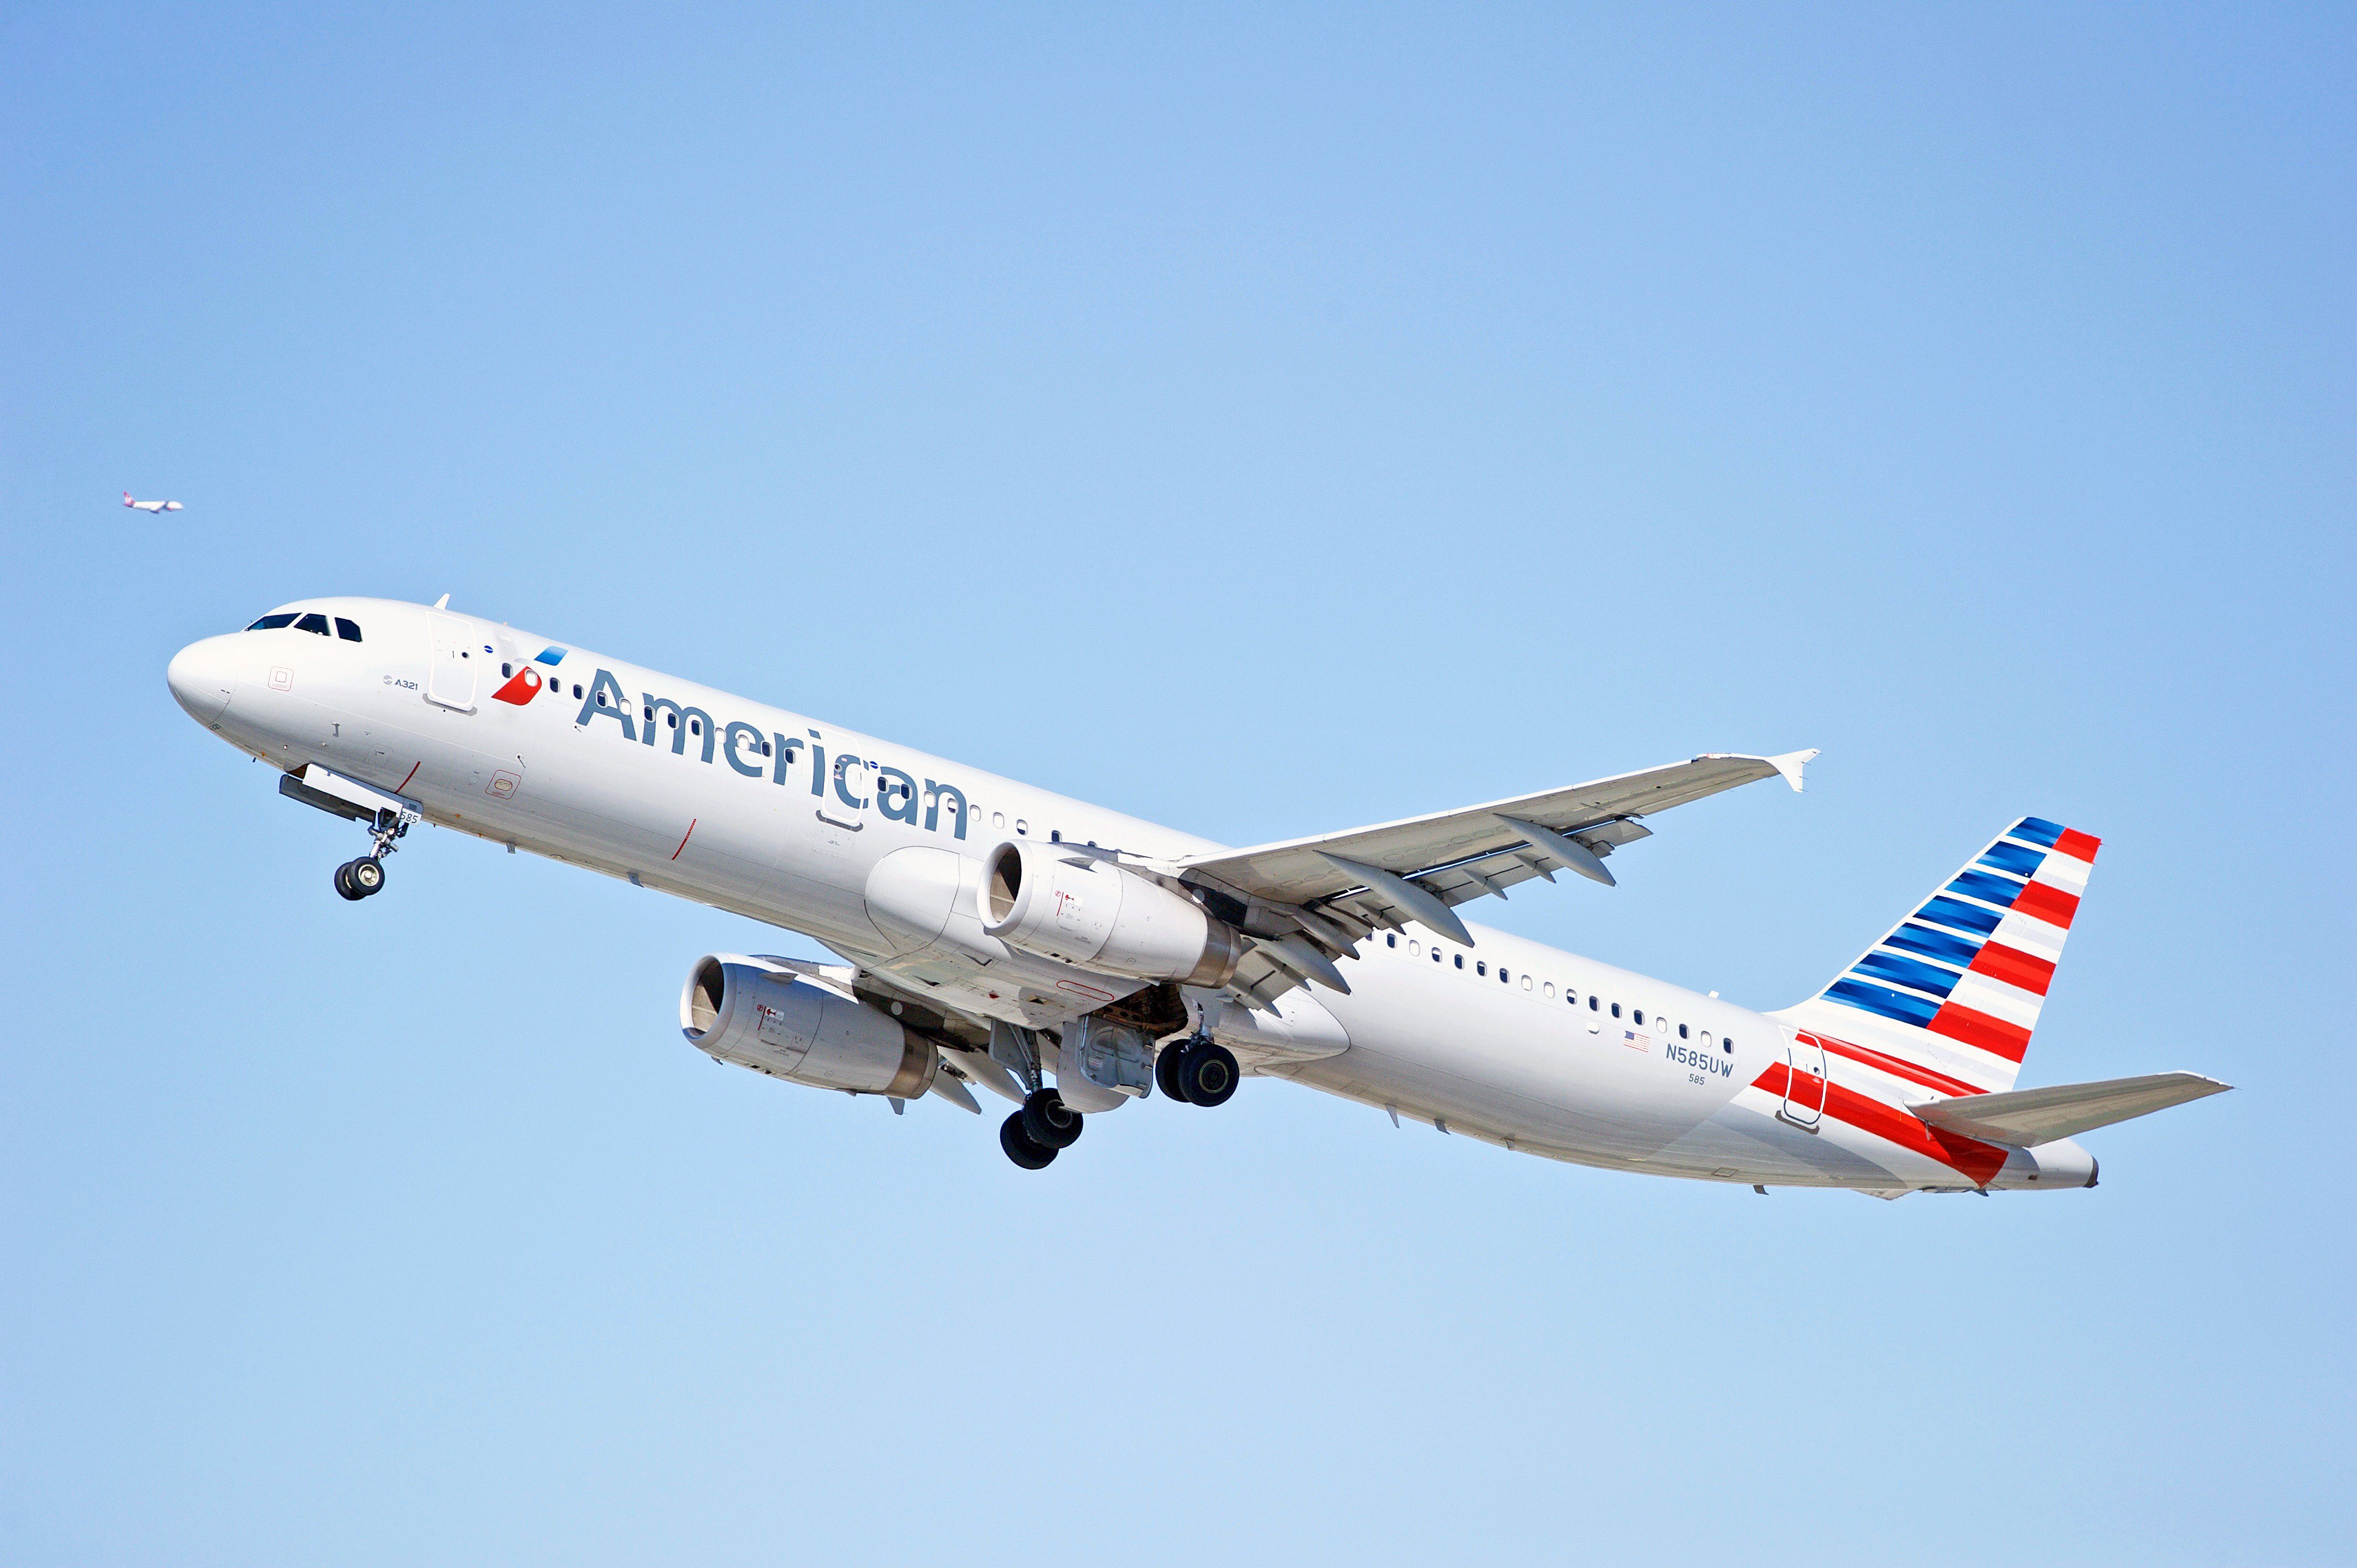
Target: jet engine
<point x="757" y="1014"/>
<point x="1080" y="908"/>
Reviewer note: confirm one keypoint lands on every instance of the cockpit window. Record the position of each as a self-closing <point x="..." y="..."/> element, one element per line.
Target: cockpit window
<point x="313" y="622"/>
<point x="346" y="629"/>
<point x="272" y="623"/>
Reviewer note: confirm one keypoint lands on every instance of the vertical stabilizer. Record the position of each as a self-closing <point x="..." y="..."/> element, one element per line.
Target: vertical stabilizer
<point x="1953" y="991"/>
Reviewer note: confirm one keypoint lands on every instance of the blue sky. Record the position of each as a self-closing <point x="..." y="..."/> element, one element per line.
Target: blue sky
<point x="1265" y="420"/>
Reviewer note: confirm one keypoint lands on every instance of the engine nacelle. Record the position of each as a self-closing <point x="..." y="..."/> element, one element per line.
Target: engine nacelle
<point x="1082" y="910"/>
<point x="749" y="1012"/>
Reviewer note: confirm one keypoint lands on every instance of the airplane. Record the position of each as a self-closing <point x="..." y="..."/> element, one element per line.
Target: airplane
<point x="150" y="506"/>
<point x="1070" y="958"/>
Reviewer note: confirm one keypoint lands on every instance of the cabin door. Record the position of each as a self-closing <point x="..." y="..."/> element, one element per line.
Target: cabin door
<point x="1805" y="1084"/>
<point x="450" y="675"/>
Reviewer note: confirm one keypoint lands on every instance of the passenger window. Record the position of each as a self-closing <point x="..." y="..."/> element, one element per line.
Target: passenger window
<point x="347" y="630"/>
<point x="272" y="623"/>
<point x="1591" y="1003"/>
<point x="1527" y="985"/>
<point x="1022" y="827"/>
<point x="1637" y="1016"/>
<point x="1435" y="955"/>
<point x="1705" y="1038"/>
<point x="1504" y="977"/>
<point x="1549" y="992"/>
<point x="1728" y="1045"/>
<point x="765" y="748"/>
<point x="1391" y="939"/>
<point x="671" y="721"/>
<point x="1616" y="1009"/>
<point x="601" y="696"/>
<point x="696" y="726"/>
<point x="1460" y="961"/>
<point x="313" y="622"/>
<point x="998" y="819"/>
<point x="1682" y="1031"/>
<point x="1415" y="948"/>
<point x="505" y="671"/>
<point x="576" y="692"/>
<point x="1481" y="966"/>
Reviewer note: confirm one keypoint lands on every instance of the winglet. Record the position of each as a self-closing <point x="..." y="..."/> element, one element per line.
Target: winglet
<point x="444" y="603"/>
<point x="1790" y="763"/>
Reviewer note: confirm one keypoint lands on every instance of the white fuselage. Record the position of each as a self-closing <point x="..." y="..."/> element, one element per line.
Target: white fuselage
<point x="789" y="821"/>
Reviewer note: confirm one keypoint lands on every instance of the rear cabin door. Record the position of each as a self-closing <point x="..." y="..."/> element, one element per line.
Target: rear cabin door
<point x="1805" y="1083"/>
<point x="450" y="677"/>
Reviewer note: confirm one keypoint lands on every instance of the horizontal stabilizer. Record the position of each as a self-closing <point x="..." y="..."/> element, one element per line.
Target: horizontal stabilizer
<point x="2025" y="1118"/>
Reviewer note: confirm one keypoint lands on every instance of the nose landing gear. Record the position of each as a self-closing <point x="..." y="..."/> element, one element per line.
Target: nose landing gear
<point x="361" y="878"/>
<point x="386" y="817"/>
<point x="358" y="879"/>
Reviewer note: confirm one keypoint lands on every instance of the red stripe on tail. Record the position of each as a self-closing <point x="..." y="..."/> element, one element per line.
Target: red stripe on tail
<point x="2010" y="1041"/>
<point x="2042" y="901"/>
<point x="2078" y="845"/>
<point x="1977" y="1160"/>
<point x="1913" y="1072"/>
<point x="2014" y="967"/>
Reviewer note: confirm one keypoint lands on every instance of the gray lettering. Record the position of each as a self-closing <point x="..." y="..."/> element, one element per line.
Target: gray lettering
<point x="614" y="707"/>
<point x="896" y="794"/>
<point x="679" y="717"/>
<point x="738" y="731"/>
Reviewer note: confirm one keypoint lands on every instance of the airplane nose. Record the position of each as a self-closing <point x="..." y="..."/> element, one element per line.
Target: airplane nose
<point x="203" y="679"/>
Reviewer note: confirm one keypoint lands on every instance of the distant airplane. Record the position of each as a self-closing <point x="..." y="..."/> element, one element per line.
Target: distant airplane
<point x="150" y="506"/>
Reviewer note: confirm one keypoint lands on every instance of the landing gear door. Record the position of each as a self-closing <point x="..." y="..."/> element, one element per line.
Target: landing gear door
<point x="1805" y="1083"/>
<point x="450" y="674"/>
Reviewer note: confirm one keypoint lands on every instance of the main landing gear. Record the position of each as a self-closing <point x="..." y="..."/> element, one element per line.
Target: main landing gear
<point x="1197" y="1072"/>
<point x="364" y="878"/>
<point x="1033" y="1135"/>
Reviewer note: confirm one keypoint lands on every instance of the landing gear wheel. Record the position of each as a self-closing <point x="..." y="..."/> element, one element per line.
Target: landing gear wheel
<point x="1048" y="1121"/>
<point x="1208" y="1073"/>
<point x="1019" y="1147"/>
<point x="1166" y="1073"/>
<point x="344" y="888"/>
<point x="366" y="874"/>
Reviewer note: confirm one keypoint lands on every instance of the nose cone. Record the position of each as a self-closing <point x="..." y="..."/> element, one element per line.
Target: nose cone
<point x="203" y="679"/>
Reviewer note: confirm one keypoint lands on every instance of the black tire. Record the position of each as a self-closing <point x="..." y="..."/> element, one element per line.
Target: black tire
<point x="1019" y="1146"/>
<point x="1208" y="1073"/>
<point x="1166" y="1073"/>
<point x="344" y="888"/>
<point x="1048" y="1121"/>
<point x="366" y="876"/>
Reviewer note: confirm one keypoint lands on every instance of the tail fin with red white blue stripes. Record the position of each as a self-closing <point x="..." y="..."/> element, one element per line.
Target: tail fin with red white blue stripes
<point x="1953" y="991"/>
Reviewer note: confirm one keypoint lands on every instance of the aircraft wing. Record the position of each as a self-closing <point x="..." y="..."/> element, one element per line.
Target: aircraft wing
<point x="1347" y="883"/>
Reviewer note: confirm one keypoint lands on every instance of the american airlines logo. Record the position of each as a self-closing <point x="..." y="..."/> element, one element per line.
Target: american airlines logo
<point x="754" y="754"/>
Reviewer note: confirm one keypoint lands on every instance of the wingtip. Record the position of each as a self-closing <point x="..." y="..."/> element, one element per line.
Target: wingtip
<point x="1790" y="765"/>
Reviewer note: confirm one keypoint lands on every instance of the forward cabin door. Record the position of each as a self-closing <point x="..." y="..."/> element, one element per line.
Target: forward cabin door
<point x="1805" y="1083"/>
<point x="450" y="674"/>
